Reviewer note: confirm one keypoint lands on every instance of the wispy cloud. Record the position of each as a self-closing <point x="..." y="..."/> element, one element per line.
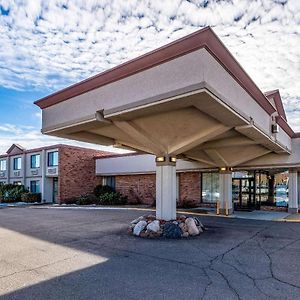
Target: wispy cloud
<point x="31" y="137"/>
<point x="51" y="44"/>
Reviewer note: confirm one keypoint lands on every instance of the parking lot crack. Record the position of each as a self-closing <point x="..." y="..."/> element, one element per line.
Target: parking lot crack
<point x="273" y="276"/>
<point x="39" y="267"/>
<point x="208" y="284"/>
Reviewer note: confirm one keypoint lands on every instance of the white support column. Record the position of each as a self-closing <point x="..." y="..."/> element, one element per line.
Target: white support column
<point x="166" y="190"/>
<point x="225" y="178"/>
<point x="293" y="191"/>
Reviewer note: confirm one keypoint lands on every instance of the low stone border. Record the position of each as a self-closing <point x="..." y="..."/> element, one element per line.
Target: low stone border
<point x="148" y="226"/>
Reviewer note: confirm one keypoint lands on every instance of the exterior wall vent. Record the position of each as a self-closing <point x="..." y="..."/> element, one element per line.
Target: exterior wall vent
<point x="275" y="128"/>
<point x="2" y="174"/>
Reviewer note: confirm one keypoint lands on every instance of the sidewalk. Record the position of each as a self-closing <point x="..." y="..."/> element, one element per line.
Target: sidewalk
<point x="261" y="215"/>
<point x="250" y="215"/>
<point x="199" y="211"/>
<point x="18" y="204"/>
<point x="292" y="218"/>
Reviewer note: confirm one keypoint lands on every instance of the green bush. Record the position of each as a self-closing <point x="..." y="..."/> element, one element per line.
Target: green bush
<point x="187" y="204"/>
<point x="112" y="198"/>
<point x="87" y="200"/>
<point x="31" y="197"/>
<point x="11" y="192"/>
<point x="102" y="189"/>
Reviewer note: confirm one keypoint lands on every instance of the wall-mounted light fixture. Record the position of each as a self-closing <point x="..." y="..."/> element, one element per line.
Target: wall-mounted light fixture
<point x="223" y="169"/>
<point x="160" y="159"/>
<point x="275" y="128"/>
<point x="172" y="159"/>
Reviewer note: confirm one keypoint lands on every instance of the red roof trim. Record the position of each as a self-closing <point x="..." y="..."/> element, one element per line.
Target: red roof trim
<point x="285" y="126"/>
<point x="296" y="135"/>
<point x="204" y="38"/>
<point x="131" y="67"/>
<point x="116" y="155"/>
<point x="278" y="102"/>
<point x="15" y="146"/>
<point x="59" y="146"/>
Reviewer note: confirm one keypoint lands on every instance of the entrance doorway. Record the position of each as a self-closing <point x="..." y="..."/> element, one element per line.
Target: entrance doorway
<point x="243" y="193"/>
<point x="55" y="190"/>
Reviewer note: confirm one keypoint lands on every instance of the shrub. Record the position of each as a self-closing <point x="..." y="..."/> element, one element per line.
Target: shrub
<point x="11" y="193"/>
<point x="187" y="204"/>
<point x="112" y="198"/>
<point x="31" y="197"/>
<point x="87" y="199"/>
<point x="102" y="189"/>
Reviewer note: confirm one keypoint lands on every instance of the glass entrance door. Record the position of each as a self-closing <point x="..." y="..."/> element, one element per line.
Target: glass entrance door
<point x="243" y="193"/>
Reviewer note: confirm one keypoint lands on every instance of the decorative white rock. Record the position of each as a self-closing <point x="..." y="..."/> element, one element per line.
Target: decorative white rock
<point x="183" y="227"/>
<point x="199" y="224"/>
<point x="185" y="234"/>
<point x="192" y="227"/>
<point x="137" y="220"/>
<point x="138" y="228"/>
<point x="154" y="226"/>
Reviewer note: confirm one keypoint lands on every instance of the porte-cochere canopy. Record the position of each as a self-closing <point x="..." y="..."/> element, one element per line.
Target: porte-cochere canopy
<point x="189" y="99"/>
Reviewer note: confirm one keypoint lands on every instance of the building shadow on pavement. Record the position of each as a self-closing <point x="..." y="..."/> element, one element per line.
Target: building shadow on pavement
<point x="89" y="255"/>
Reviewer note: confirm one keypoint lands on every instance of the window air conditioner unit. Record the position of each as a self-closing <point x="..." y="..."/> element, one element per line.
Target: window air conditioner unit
<point x="17" y="173"/>
<point x="34" y="172"/>
<point x="52" y="171"/>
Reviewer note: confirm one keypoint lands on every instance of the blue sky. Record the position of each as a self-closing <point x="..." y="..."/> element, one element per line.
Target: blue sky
<point x="47" y="45"/>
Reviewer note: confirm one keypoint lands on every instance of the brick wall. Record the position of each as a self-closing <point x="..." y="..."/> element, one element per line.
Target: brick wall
<point x="76" y="173"/>
<point x="138" y="188"/>
<point x="190" y="187"/>
<point x="141" y="188"/>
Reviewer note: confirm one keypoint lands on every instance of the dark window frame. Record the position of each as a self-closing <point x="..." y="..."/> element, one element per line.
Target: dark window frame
<point x="33" y="162"/>
<point x="16" y="164"/>
<point x="50" y="160"/>
<point x="33" y="186"/>
<point x="5" y="164"/>
<point x="110" y="181"/>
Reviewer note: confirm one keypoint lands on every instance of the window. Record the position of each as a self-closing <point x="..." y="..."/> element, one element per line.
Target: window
<point x="3" y="165"/>
<point x="17" y="183"/>
<point x="34" y="186"/>
<point x="110" y="181"/>
<point x="17" y="163"/>
<point x="52" y="159"/>
<point x="281" y="189"/>
<point x="210" y="187"/>
<point x="35" y="161"/>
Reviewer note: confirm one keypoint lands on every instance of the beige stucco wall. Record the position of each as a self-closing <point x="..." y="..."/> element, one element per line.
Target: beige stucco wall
<point x="141" y="164"/>
<point x="137" y="164"/>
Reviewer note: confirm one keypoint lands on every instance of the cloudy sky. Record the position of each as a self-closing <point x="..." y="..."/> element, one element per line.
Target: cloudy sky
<point x="47" y="45"/>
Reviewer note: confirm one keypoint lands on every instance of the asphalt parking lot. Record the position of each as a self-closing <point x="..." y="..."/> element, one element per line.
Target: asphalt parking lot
<point x="87" y="254"/>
